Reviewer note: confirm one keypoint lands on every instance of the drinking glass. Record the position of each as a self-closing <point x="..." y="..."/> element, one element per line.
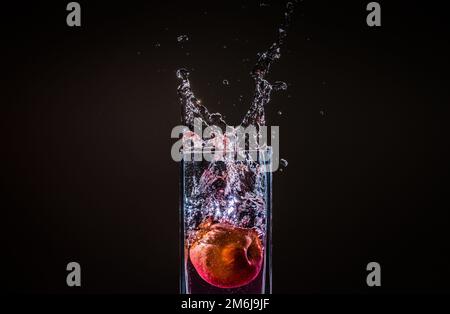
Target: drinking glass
<point x="225" y="224"/>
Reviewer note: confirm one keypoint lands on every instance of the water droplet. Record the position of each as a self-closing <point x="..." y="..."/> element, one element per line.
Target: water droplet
<point x="278" y="85"/>
<point x="322" y="112"/>
<point x="280" y="112"/>
<point x="225" y="82"/>
<point x="264" y="3"/>
<point x="224" y="46"/>
<point x="157" y="45"/>
<point x="182" y="74"/>
<point x="182" y="38"/>
<point x="284" y="162"/>
<point x="139" y="53"/>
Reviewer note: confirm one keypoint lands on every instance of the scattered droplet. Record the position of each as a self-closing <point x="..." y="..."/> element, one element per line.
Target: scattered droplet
<point x="278" y="85"/>
<point x="322" y="112"/>
<point x="280" y="112"/>
<point x="264" y="3"/>
<point x="283" y="162"/>
<point x="225" y="47"/>
<point x="225" y="82"/>
<point x="157" y="45"/>
<point x="182" y="38"/>
<point x="182" y="74"/>
<point x="139" y="53"/>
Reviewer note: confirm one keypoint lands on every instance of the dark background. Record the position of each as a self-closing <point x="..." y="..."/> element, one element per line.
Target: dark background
<point x="86" y="115"/>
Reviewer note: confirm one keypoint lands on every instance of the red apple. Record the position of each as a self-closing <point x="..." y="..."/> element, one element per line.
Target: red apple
<point x="227" y="256"/>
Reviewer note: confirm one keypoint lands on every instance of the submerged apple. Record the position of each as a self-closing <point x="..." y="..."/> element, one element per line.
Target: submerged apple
<point x="227" y="256"/>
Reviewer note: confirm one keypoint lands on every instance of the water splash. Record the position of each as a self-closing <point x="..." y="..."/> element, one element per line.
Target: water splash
<point x="256" y="114"/>
<point x="191" y="109"/>
<point x="226" y="190"/>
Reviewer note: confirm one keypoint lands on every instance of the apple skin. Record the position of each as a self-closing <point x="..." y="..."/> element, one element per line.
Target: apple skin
<point x="226" y="256"/>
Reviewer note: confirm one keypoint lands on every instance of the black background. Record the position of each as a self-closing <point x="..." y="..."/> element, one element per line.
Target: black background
<point x="87" y="112"/>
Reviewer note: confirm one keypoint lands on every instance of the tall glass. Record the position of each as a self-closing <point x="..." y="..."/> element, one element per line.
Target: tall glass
<point x="225" y="225"/>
